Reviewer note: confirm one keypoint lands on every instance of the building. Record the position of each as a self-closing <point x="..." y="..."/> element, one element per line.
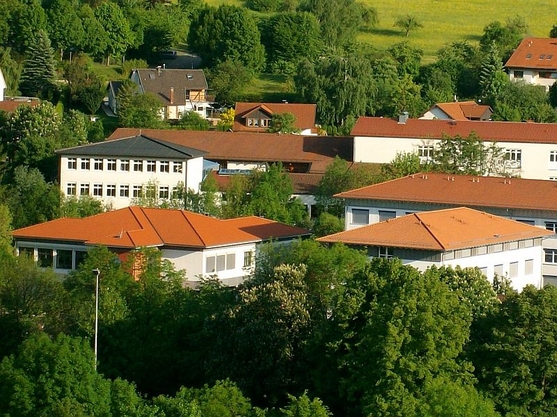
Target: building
<point x="455" y="237"/>
<point x="3" y="85"/>
<point x="530" y="149"/>
<point x="533" y="202"/>
<point x="117" y="171"/>
<point x="534" y="61"/>
<point x="459" y="110"/>
<point x="257" y="117"/>
<point x="202" y="246"/>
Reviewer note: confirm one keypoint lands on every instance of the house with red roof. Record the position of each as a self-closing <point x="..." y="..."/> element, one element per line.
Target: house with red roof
<point x="257" y="117"/>
<point x="529" y="149"/>
<point x="455" y="237"/>
<point x="532" y="202"/>
<point x="459" y="110"/>
<point x="202" y="246"/>
<point x="534" y="61"/>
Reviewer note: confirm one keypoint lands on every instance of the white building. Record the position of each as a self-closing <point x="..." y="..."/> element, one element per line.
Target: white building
<point x="534" y="61"/>
<point x="118" y="171"/>
<point x="530" y="149"/>
<point x="455" y="237"/>
<point x="202" y="246"/>
<point x="3" y="85"/>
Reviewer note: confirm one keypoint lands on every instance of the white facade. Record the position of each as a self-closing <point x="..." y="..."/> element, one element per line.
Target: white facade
<point x="527" y="160"/>
<point x="117" y="181"/>
<point x="2" y="85"/>
<point x="544" y="78"/>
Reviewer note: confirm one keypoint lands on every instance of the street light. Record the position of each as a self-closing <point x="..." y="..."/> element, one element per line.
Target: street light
<point x="97" y="273"/>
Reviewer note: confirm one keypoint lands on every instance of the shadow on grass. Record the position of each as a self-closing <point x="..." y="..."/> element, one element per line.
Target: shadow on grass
<point x="383" y="32"/>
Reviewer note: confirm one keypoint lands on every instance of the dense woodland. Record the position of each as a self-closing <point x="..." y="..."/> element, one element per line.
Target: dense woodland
<point x="318" y="329"/>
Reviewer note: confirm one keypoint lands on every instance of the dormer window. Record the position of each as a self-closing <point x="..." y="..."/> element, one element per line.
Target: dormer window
<point x="549" y="56"/>
<point x="528" y="56"/>
<point x="542" y="56"/>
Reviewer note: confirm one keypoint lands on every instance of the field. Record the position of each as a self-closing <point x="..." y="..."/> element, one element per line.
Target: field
<point x="447" y="21"/>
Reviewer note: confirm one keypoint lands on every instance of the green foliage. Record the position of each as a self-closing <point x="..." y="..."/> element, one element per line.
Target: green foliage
<point x="304" y="407"/>
<point x="27" y="19"/>
<point x="84" y="206"/>
<point x="138" y="110"/>
<point x="39" y="67"/>
<point x="518" y="101"/>
<point x="228" y="33"/>
<point x="283" y="123"/>
<point x="117" y="27"/>
<point x="226" y="121"/>
<point x="492" y="77"/>
<point x="74" y="129"/>
<point x="193" y="121"/>
<point x="11" y="70"/>
<point x="96" y="38"/>
<point x="5" y="231"/>
<point x="408" y="24"/>
<point x="327" y="224"/>
<point x="553" y="32"/>
<point x="91" y="93"/>
<point x="265" y="6"/>
<point x="64" y="25"/>
<point x="403" y="164"/>
<point x="228" y="80"/>
<point x="505" y="37"/>
<point x="130" y="64"/>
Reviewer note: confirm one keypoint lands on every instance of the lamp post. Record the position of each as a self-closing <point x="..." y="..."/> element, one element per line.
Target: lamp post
<point x="97" y="274"/>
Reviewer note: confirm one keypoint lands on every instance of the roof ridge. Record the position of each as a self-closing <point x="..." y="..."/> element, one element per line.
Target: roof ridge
<point x="141" y="209"/>
<point x="169" y="145"/>
<point x="184" y="212"/>
<point x="427" y="227"/>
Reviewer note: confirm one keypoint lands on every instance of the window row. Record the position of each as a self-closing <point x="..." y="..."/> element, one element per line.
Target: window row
<point x="226" y="262"/>
<point x="57" y="258"/>
<point x="124" y="190"/>
<point x="361" y="216"/>
<point x="136" y="165"/>
<point x="513" y="269"/>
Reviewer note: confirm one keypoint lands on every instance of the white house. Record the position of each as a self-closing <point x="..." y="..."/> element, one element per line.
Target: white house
<point x="534" y="61"/>
<point x="118" y="171"/>
<point x="3" y="85"/>
<point x="459" y="110"/>
<point x="257" y="117"/>
<point x="202" y="246"/>
<point x="455" y="237"/>
<point x="530" y="149"/>
<point x="533" y="202"/>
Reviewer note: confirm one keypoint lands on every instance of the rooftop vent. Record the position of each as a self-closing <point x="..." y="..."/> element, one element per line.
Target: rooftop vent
<point x="403" y="117"/>
<point x="189" y="76"/>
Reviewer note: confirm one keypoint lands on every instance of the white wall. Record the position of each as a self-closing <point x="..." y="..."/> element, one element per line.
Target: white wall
<point x="2" y="85"/>
<point x="531" y="77"/>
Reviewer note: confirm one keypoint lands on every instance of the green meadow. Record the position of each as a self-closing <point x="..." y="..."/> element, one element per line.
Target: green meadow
<point x="447" y="21"/>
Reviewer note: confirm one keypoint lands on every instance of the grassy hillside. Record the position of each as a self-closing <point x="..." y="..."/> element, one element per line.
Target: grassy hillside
<point x="447" y="21"/>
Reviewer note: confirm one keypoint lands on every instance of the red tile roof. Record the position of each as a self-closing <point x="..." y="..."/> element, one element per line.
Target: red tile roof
<point x="465" y="110"/>
<point x="319" y="151"/>
<point x="133" y="227"/>
<point x="440" y="230"/>
<point x="463" y="190"/>
<point x="535" y="53"/>
<point x="436" y="129"/>
<point x="9" y="106"/>
<point x="304" y="113"/>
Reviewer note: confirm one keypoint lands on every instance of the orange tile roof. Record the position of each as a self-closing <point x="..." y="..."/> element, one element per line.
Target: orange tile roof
<point x="133" y="227"/>
<point x="9" y="106"/>
<point x="319" y="151"/>
<point x="463" y="190"/>
<point x="436" y="129"/>
<point x="465" y="110"/>
<point x="536" y="53"/>
<point x="304" y="113"/>
<point x="439" y="230"/>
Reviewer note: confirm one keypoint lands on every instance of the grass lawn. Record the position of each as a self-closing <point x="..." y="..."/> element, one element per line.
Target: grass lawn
<point x="269" y="88"/>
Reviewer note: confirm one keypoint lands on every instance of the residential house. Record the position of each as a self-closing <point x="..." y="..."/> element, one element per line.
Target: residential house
<point x="530" y="149"/>
<point x="179" y="90"/>
<point x="113" y="89"/>
<point x="202" y="246"/>
<point x="305" y="157"/>
<point x="117" y="171"/>
<point x="459" y="110"/>
<point x="533" y="202"/>
<point x="455" y="237"/>
<point x="534" y="61"/>
<point x="257" y="117"/>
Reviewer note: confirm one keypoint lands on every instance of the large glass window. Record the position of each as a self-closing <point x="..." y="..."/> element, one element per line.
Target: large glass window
<point x="550" y="256"/>
<point x="136" y="191"/>
<point x="248" y="259"/>
<point x="98" y="190"/>
<point x="63" y="259"/>
<point x="176" y="167"/>
<point x="79" y="257"/>
<point x="386" y="215"/>
<point x="163" y="191"/>
<point x="45" y="258"/>
<point x="385" y="252"/>
<point x="513" y="158"/>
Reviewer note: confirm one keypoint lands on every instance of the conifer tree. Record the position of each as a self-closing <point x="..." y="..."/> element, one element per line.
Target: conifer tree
<point x="39" y="68"/>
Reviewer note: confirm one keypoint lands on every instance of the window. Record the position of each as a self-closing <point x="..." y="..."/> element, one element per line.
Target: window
<point x="553" y="156"/>
<point x="79" y="257"/>
<point x="98" y="164"/>
<point x="221" y="263"/>
<point x="72" y="163"/>
<point x="188" y="92"/>
<point x="124" y="191"/>
<point x="124" y="165"/>
<point x="551" y="226"/>
<point x="550" y="256"/>
<point x="71" y="188"/>
<point x="385" y="252"/>
<point x="498" y="270"/>
<point x="513" y="270"/>
<point x="45" y="258"/>
<point x="136" y="192"/>
<point x="513" y="157"/>
<point x="386" y="215"/>
<point x="84" y="189"/>
<point x="542" y="56"/>
<point x="525" y="221"/>
<point x="483" y="270"/>
<point x="547" y="74"/>
<point x="111" y="190"/>
<point x="27" y="252"/>
<point x="164" y="166"/>
<point x="111" y="164"/>
<point x="265" y="122"/>
<point x="85" y="163"/>
<point x="163" y="191"/>
<point x="518" y="74"/>
<point x="425" y="152"/>
<point x="360" y="216"/>
<point x="528" y="267"/>
<point x="151" y="166"/>
<point x="231" y="261"/>
<point x="248" y="259"/>
<point x="138" y="166"/>
<point x="98" y="190"/>
<point x="63" y="259"/>
<point x="253" y="122"/>
<point x="210" y="264"/>
<point x="176" y="167"/>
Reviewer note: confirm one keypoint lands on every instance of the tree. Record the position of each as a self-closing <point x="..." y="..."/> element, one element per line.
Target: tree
<point x="553" y="32"/>
<point x="91" y="93"/>
<point x="228" y="79"/>
<point x="11" y="70"/>
<point x="408" y="24"/>
<point x="137" y="110"/>
<point x="95" y="39"/>
<point x="84" y="206"/>
<point x="39" y="68"/>
<point x="403" y="164"/>
<point x="6" y="221"/>
<point x="493" y="77"/>
<point x="228" y="33"/>
<point x="193" y="121"/>
<point x="518" y="101"/>
<point x="64" y="25"/>
<point x="226" y="120"/>
<point x="27" y="19"/>
<point x="304" y="407"/>
<point x="506" y="37"/>
<point x="283" y="123"/>
<point x="117" y="27"/>
<point x="327" y="224"/>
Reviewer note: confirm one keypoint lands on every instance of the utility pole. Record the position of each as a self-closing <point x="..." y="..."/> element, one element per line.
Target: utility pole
<point x="97" y="274"/>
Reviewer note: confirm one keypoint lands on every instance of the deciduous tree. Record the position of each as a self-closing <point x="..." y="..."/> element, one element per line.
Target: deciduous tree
<point x="117" y="28"/>
<point x="408" y="24"/>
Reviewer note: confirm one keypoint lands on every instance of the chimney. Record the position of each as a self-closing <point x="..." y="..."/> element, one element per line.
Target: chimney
<point x="171" y="95"/>
<point x="159" y="70"/>
<point x="403" y="118"/>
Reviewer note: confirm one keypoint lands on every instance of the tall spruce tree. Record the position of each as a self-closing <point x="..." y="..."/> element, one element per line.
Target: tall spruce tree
<point x="39" y="68"/>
